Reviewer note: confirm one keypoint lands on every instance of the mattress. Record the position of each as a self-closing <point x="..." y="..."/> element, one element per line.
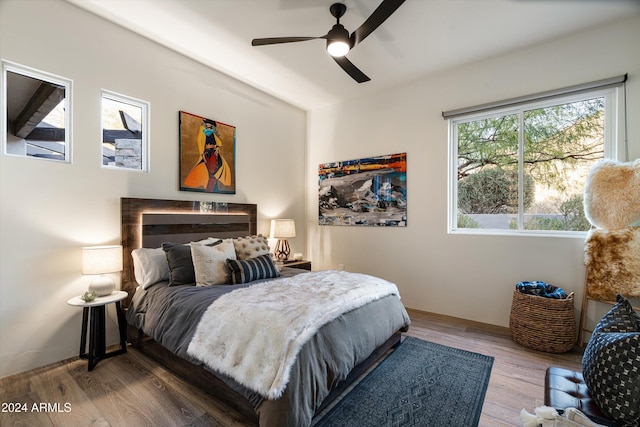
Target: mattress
<point x="170" y="315"/>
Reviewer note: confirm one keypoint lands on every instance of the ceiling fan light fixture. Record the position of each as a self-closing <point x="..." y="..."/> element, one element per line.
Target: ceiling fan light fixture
<point x="338" y="43"/>
<point x="337" y="48"/>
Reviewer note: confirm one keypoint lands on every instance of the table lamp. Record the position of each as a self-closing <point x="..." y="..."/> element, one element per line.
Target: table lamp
<point x="282" y="229"/>
<point x="100" y="260"/>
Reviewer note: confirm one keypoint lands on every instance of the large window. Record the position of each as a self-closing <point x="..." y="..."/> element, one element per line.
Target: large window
<point x="522" y="168"/>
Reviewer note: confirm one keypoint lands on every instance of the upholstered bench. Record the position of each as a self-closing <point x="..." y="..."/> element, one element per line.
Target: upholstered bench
<point x="564" y="388"/>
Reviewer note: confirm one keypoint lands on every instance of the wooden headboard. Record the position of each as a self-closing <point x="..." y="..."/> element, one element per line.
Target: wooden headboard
<point x="149" y="222"/>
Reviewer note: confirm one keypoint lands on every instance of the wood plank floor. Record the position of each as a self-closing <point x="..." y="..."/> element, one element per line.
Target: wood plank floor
<point x="132" y="390"/>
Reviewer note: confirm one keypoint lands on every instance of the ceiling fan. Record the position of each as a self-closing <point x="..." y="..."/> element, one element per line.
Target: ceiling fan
<point x="339" y="42"/>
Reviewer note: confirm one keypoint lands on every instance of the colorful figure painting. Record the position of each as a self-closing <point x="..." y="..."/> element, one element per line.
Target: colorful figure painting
<point x="369" y="192"/>
<point x="207" y="155"/>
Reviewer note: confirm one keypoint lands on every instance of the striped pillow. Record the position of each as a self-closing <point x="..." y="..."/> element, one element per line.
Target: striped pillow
<point x="260" y="267"/>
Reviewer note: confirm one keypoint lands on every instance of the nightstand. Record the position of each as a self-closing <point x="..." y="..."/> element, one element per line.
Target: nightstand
<point x="93" y="319"/>
<point x="302" y="264"/>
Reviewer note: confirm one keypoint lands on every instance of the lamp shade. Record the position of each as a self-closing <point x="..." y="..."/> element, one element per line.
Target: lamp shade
<point x="101" y="259"/>
<point x="283" y="228"/>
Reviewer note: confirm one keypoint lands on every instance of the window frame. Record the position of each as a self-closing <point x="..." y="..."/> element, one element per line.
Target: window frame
<point x="13" y="67"/>
<point x="614" y="148"/>
<point x="145" y="126"/>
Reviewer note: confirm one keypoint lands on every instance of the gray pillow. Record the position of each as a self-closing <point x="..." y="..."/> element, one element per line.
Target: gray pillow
<point x="181" y="271"/>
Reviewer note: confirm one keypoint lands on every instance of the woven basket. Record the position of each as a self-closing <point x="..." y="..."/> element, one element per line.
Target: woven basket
<point x="543" y="324"/>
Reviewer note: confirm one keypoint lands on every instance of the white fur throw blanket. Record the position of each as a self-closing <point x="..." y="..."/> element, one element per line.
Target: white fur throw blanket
<point x="254" y="334"/>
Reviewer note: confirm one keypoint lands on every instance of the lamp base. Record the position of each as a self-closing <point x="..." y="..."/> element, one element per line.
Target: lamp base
<point x="102" y="286"/>
<point x="282" y="250"/>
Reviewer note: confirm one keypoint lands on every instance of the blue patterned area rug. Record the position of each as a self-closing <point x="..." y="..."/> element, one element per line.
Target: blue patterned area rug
<point x="419" y="384"/>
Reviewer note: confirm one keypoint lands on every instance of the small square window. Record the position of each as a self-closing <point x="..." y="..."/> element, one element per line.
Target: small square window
<point x="36" y="115"/>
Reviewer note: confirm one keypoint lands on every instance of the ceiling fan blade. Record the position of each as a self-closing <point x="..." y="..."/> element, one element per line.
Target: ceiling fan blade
<point x="277" y="40"/>
<point x="384" y="11"/>
<point x="351" y="69"/>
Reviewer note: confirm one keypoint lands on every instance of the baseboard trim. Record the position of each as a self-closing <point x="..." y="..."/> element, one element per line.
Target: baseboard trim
<point x="486" y="327"/>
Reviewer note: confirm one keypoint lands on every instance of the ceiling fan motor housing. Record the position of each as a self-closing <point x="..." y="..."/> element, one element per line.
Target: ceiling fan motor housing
<point x="338" y="34"/>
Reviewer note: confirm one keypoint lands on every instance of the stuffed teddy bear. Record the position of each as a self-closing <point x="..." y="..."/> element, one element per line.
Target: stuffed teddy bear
<point x="612" y="249"/>
<point x="612" y="194"/>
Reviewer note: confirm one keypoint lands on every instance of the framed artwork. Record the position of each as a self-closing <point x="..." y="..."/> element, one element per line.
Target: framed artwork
<point x="369" y="192"/>
<point x="207" y="155"/>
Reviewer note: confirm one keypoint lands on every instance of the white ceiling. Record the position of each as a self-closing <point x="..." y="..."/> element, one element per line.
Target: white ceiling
<point x="421" y="37"/>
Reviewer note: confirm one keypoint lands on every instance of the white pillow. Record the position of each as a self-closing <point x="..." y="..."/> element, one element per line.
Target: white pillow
<point x="210" y="263"/>
<point x="208" y="241"/>
<point x="150" y="266"/>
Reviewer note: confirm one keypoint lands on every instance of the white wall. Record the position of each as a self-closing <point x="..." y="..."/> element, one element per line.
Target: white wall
<point x="471" y="277"/>
<point x="49" y="210"/>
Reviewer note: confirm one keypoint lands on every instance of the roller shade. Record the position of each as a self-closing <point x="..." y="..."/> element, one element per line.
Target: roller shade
<point x="599" y="84"/>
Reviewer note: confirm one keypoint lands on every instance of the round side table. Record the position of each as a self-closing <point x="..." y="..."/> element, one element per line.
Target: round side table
<point x="93" y="318"/>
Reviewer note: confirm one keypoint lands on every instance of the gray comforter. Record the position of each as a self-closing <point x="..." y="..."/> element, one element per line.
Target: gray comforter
<point x="170" y="315"/>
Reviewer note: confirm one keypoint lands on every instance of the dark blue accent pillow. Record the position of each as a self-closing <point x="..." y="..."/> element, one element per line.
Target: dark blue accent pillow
<point x="611" y="364"/>
<point x="245" y="271"/>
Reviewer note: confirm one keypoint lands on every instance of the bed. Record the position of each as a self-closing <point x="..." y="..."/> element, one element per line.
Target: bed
<point x="168" y="321"/>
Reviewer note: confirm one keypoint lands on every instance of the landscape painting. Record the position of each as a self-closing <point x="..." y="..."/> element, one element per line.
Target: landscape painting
<point x="368" y="192"/>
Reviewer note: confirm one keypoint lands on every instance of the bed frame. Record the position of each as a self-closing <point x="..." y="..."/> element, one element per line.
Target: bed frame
<point x="148" y="223"/>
